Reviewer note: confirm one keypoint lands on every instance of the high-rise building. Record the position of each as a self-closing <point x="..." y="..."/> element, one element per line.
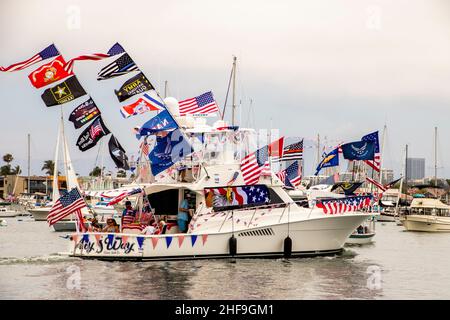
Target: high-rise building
<point x="387" y="175"/>
<point x="415" y="168"/>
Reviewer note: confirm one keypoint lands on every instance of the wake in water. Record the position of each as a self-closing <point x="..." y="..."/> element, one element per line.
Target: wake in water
<point x="53" y="258"/>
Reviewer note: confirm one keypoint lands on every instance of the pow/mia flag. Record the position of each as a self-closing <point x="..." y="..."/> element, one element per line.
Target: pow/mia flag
<point x="92" y="134"/>
<point x="63" y="92"/>
<point x="118" y="154"/>
<point x="138" y="84"/>
<point x="84" y="113"/>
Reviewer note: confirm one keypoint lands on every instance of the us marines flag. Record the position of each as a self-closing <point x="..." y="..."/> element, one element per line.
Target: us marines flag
<point x="49" y="73"/>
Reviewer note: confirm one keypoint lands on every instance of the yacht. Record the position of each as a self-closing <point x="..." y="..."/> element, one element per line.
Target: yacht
<point x="427" y="214"/>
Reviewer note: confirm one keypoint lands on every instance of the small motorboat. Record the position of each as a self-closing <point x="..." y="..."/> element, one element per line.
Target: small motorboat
<point x="8" y="213"/>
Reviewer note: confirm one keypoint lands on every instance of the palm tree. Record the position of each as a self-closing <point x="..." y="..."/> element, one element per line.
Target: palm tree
<point x="8" y="158"/>
<point x="49" y="165"/>
<point x="121" y="174"/>
<point x="17" y="170"/>
<point x="96" y="172"/>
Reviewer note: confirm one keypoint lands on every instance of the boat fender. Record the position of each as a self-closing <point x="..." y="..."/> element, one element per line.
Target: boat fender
<point x="232" y="242"/>
<point x="287" y="248"/>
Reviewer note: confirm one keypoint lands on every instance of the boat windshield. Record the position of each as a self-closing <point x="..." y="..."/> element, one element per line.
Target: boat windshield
<point x="430" y="212"/>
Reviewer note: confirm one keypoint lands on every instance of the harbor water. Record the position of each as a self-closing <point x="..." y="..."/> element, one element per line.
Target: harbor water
<point x="398" y="265"/>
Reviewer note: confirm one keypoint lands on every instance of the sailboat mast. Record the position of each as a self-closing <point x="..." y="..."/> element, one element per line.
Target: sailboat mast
<point x="64" y="148"/>
<point x="435" y="156"/>
<point x="318" y="149"/>
<point x="383" y="141"/>
<point x="29" y="191"/>
<point x="233" y="110"/>
<point x="165" y="88"/>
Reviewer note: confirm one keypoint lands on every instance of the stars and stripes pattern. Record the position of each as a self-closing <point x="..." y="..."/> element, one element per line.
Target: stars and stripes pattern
<point x="45" y="54"/>
<point x="95" y="129"/>
<point x="115" y="50"/>
<point x="123" y="65"/>
<point x="342" y="205"/>
<point x="291" y="176"/>
<point x="67" y="204"/>
<point x="202" y="104"/>
<point x="375" y="164"/>
<point x="377" y="184"/>
<point x="123" y="195"/>
<point x="292" y="152"/>
<point x="252" y="165"/>
<point x="145" y="148"/>
<point x="233" y="196"/>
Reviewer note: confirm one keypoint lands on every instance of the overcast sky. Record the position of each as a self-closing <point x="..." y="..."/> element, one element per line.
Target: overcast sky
<point x="338" y="68"/>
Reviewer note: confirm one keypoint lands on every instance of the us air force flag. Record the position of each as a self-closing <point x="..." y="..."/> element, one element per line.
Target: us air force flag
<point x="168" y="151"/>
<point x="359" y="150"/>
<point x="118" y="153"/>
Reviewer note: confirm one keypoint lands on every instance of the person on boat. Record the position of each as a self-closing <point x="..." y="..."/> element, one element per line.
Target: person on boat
<point x="360" y="230"/>
<point x="111" y="226"/>
<point x="183" y="216"/>
<point x="148" y="230"/>
<point x="95" y="225"/>
<point x="128" y="214"/>
<point x="162" y="227"/>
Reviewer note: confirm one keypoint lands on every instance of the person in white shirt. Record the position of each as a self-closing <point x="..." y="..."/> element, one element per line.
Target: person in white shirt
<point x="149" y="230"/>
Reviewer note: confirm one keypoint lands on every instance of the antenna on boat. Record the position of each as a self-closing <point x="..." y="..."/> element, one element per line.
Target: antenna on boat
<point x="234" y="91"/>
<point x="28" y="164"/>
<point x="435" y="157"/>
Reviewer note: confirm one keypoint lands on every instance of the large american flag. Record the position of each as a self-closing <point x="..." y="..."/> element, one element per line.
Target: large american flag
<point x="341" y="205"/>
<point x="291" y="176"/>
<point x="71" y="202"/>
<point x="293" y="151"/>
<point x="252" y="165"/>
<point x="115" y="49"/>
<point x="45" y="54"/>
<point x="375" y="164"/>
<point x="203" y="104"/>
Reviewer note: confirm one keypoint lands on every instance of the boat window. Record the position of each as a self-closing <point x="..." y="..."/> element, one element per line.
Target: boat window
<point x="164" y="202"/>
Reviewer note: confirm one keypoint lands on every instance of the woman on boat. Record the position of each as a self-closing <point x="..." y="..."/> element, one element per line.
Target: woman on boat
<point x="111" y="226"/>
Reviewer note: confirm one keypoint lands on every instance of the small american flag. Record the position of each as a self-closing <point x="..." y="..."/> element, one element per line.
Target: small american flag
<point x="203" y="104"/>
<point x="145" y="148"/>
<point x="96" y="129"/>
<point x="291" y="176"/>
<point x="334" y="206"/>
<point x="375" y="164"/>
<point x="252" y="165"/>
<point x="67" y="204"/>
<point x="115" y="49"/>
<point x="45" y="54"/>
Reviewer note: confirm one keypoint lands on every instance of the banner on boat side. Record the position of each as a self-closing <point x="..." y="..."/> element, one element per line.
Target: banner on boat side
<point x="92" y="134"/>
<point x="49" y="73"/>
<point x="359" y="150"/>
<point x="342" y="205"/>
<point x="110" y="244"/>
<point x="236" y="196"/>
<point x="63" y="92"/>
<point x="137" y="84"/>
<point x="84" y="113"/>
<point x="117" y="153"/>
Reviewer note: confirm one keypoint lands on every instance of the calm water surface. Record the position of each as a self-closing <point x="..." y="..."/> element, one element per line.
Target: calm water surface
<point x="399" y="265"/>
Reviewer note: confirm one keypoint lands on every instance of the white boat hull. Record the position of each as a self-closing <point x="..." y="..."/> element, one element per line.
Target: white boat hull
<point x="383" y="217"/>
<point x="315" y="236"/>
<point x="9" y="214"/>
<point x="426" y="223"/>
<point x="40" y="214"/>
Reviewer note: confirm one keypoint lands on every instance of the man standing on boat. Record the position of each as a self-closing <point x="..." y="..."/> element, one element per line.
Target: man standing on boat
<point x="128" y="214"/>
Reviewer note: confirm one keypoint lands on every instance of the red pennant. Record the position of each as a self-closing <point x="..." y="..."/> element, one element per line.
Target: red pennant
<point x="154" y="241"/>
<point x="180" y="240"/>
<point x="204" y="238"/>
<point x="49" y="73"/>
<point x="97" y="237"/>
<point x="124" y="239"/>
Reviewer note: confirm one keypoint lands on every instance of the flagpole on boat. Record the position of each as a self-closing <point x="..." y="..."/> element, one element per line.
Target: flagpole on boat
<point x="29" y="191"/>
<point x="234" y="91"/>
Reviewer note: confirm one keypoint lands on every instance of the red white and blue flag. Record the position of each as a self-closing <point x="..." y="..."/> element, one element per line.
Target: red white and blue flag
<point x="203" y="104"/>
<point x="123" y="195"/>
<point x="115" y="50"/>
<point x="142" y="105"/>
<point x="253" y="164"/>
<point x="293" y="152"/>
<point x="342" y="205"/>
<point x="291" y="176"/>
<point x="45" y="54"/>
<point x="375" y="164"/>
<point x="67" y="204"/>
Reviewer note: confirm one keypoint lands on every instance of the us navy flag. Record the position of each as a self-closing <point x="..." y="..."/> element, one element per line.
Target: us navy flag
<point x="63" y="92"/>
<point x="92" y="134"/>
<point x="138" y="84"/>
<point x="121" y="66"/>
<point x="118" y="154"/>
<point x="359" y="150"/>
<point x="84" y="113"/>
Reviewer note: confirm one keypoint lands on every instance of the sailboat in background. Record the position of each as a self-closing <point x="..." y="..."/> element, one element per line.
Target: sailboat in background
<point x="40" y="213"/>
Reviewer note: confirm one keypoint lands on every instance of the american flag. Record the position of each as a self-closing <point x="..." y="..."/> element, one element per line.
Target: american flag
<point x="115" y="50"/>
<point x="123" y="65"/>
<point x="203" y="104"/>
<point x="45" y="54"/>
<point x="232" y="196"/>
<point x="291" y="176"/>
<point x="95" y="129"/>
<point x="67" y="204"/>
<point x="123" y="195"/>
<point x="382" y="187"/>
<point x="341" y="205"/>
<point x="252" y="165"/>
<point x="145" y="148"/>
<point x="375" y="164"/>
<point x="293" y="151"/>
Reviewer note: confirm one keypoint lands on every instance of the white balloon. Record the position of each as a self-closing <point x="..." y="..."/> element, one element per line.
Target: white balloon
<point x="172" y="105"/>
